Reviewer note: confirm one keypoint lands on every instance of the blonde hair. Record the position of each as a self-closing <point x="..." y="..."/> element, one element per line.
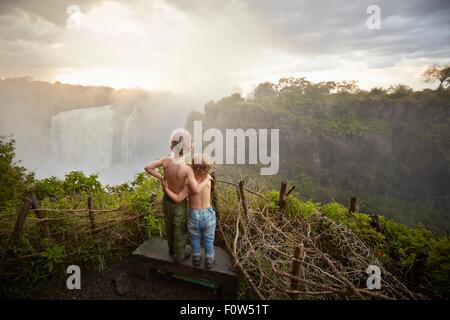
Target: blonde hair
<point x="201" y="164"/>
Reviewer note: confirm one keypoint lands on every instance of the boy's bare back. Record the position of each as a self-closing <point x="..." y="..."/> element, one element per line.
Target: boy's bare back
<point x="202" y="199"/>
<point x="175" y="173"/>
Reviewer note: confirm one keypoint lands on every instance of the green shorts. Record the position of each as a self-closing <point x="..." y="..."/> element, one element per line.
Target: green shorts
<point x="175" y="215"/>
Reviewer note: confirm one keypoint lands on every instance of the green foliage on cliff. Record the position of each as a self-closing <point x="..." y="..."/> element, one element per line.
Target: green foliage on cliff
<point x="390" y="148"/>
<point x="14" y="179"/>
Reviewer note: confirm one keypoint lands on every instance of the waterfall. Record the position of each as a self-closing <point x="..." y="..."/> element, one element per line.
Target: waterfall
<point x="130" y="137"/>
<point x="84" y="136"/>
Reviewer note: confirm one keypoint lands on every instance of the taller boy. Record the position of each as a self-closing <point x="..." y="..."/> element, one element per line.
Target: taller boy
<point x="177" y="174"/>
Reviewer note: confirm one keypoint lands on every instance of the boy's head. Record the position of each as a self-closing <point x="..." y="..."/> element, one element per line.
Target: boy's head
<point x="180" y="142"/>
<point x="201" y="164"/>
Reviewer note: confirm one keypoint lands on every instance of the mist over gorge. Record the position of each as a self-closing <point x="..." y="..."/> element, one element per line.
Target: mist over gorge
<point x="60" y="128"/>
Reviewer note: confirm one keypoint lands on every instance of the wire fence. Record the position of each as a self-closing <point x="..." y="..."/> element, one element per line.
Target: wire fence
<point x="278" y="258"/>
<point x="34" y="226"/>
<point x="298" y="258"/>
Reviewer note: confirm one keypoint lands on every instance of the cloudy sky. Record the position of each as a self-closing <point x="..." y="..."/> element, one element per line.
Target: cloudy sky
<point x="212" y="46"/>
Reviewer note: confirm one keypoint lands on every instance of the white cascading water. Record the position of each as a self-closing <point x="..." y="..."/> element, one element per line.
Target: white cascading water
<point x="84" y="136"/>
<point x="130" y="137"/>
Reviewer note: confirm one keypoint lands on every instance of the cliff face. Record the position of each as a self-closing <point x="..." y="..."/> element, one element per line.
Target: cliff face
<point x="392" y="153"/>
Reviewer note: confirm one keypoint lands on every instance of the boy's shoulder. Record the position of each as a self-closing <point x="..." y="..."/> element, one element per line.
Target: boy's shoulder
<point x="164" y="160"/>
<point x="167" y="161"/>
<point x="187" y="168"/>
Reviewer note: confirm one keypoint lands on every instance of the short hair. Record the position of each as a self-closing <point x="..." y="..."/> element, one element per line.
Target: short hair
<point x="201" y="164"/>
<point x="181" y="139"/>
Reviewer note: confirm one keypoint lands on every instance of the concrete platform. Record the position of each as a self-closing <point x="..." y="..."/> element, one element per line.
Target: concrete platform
<point x="154" y="254"/>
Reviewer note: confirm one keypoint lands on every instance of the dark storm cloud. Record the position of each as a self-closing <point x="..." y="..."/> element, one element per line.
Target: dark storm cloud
<point x="339" y="26"/>
<point x="303" y="26"/>
<point x="416" y="27"/>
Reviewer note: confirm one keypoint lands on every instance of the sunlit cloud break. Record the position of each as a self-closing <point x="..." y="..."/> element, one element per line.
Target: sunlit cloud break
<point x="210" y="47"/>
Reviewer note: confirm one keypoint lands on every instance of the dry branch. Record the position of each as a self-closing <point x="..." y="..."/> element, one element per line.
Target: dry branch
<point x="331" y="264"/>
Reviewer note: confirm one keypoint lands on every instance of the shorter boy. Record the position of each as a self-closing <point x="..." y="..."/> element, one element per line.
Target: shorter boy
<point x="201" y="222"/>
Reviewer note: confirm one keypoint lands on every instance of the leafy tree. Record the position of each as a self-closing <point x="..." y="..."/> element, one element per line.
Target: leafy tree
<point x="265" y="89"/>
<point x="299" y="84"/>
<point x="15" y="180"/>
<point x="347" y="87"/>
<point x="77" y="181"/>
<point x="437" y="73"/>
<point x="51" y="187"/>
<point x="232" y="99"/>
<point x="400" y="91"/>
<point x="377" y="91"/>
<point x="327" y="86"/>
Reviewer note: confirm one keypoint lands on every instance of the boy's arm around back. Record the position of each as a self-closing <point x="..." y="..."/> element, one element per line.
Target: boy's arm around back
<point x="204" y="183"/>
<point x="194" y="186"/>
<point x="174" y="196"/>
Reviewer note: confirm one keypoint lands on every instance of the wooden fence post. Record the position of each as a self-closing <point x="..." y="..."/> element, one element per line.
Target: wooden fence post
<point x="91" y="213"/>
<point x="282" y="200"/>
<point x="352" y="208"/>
<point x="297" y="268"/>
<point x="376" y="224"/>
<point x="417" y="270"/>
<point x="21" y="215"/>
<point x="40" y="215"/>
<point x="243" y="199"/>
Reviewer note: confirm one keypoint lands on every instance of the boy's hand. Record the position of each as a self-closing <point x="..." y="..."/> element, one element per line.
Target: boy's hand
<point x="163" y="184"/>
